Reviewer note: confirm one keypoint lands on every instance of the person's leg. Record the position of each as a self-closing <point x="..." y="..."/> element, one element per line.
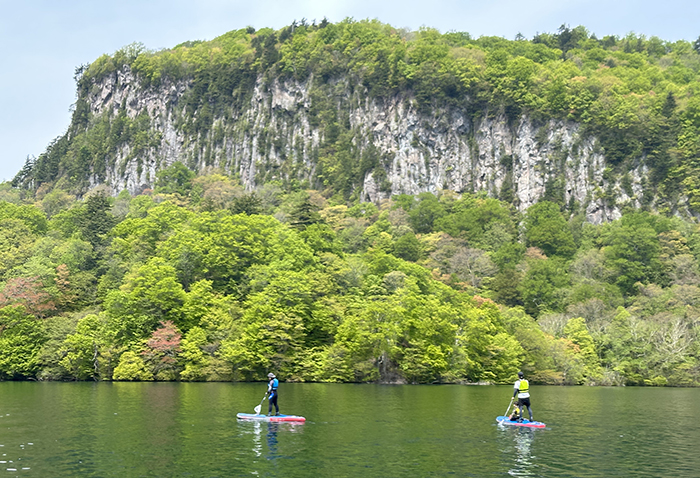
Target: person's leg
<point x="269" y="405"/>
<point x="529" y="410"/>
<point x="520" y="409"/>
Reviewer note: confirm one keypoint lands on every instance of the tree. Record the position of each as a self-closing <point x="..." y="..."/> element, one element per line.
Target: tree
<point x="96" y="219"/>
<point x="632" y="252"/>
<point x="222" y="249"/>
<point x="321" y="238"/>
<point x="214" y="192"/>
<point x="570" y="38"/>
<point x="423" y="346"/>
<point x="546" y="229"/>
<point x="131" y="367"/>
<point x="485" y="223"/>
<point x="483" y="350"/>
<point x="542" y="288"/>
<point x="151" y="294"/>
<point x="162" y="351"/>
<point x="83" y="349"/>
<point x="506" y="287"/>
<point x="627" y="348"/>
<point x="66" y="296"/>
<point x="21" y="339"/>
<point x="31" y="216"/>
<point x="16" y="240"/>
<point x="28" y="292"/>
<point x="147" y="225"/>
<point x="247" y="204"/>
<point x="472" y="265"/>
<point x="424" y="214"/>
<point x="195" y="360"/>
<point x="577" y="331"/>
<point x="408" y="247"/>
<point x="175" y="179"/>
<point x="304" y="214"/>
<point x="274" y="326"/>
<point x="56" y="201"/>
<point x="536" y="360"/>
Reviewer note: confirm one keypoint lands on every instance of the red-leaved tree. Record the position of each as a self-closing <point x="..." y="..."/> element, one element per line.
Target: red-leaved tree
<point x="29" y="292"/>
<point x="162" y="350"/>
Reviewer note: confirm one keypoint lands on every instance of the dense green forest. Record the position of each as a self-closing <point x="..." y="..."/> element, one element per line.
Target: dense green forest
<point x="199" y="280"/>
<point x="638" y="96"/>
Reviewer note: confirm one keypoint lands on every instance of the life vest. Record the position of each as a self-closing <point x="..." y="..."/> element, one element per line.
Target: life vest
<point x="524" y="386"/>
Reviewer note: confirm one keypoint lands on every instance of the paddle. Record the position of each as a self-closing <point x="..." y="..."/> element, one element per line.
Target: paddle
<point x="507" y="409"/>
<point x="259" y="407"/>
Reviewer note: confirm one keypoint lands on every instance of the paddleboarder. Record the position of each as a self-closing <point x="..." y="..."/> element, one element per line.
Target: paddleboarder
<point x="272" y="393"/>
<point x="522" y="390"/>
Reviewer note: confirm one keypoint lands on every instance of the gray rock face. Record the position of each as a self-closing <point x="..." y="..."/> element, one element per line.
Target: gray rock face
<point x="518" y="161"/>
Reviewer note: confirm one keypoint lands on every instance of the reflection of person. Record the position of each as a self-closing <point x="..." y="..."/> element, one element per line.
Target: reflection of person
<point x="272" y="394"/>
<point x="272" y="440"/>
<point x="522" y="390"/>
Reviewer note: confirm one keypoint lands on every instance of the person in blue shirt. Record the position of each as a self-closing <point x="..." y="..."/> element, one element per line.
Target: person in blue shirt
<point x="272" y="393"/>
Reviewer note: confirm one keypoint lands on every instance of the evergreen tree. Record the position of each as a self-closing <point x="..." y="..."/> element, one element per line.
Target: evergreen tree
<point x="304" y="214"/>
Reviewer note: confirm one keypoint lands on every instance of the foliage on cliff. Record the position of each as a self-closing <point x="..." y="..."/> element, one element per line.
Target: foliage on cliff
<point x="202" y="281"/>
<point x="637" y="95"/>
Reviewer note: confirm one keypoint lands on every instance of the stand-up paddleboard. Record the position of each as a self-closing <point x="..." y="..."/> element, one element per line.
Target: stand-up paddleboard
<point x="525" y="423"/>
<point x="272" y="418"/>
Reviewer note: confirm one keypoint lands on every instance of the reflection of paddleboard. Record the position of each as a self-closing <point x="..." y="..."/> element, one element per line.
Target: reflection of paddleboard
<point x="524" y="423"/>
<point x="273" y="418"/>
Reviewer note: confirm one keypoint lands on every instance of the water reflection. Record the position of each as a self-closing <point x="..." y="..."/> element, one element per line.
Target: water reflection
<point x="516" y="446"/>
<point x="272" y="429"/>
<point x="15" y="455"/>
<point x="257" y="441"/>
<point x="267" y="443"/>
<point x="152" y="429"/>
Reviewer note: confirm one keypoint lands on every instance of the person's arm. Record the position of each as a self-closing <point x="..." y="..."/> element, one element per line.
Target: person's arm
<point x="517" y="388"/>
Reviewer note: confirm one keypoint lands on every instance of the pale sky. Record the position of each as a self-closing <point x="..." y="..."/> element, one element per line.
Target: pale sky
<point x="43" y="41"/>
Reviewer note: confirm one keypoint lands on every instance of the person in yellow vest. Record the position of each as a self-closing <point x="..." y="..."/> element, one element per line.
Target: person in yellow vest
<point x="522" y="390"/>
<point x="515" y="415"/>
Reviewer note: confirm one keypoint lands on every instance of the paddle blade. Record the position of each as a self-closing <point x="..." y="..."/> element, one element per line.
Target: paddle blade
<point x="257" y="409"/>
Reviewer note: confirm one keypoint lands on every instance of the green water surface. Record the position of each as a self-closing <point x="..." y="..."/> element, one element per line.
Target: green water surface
<point x="190" y="430"/>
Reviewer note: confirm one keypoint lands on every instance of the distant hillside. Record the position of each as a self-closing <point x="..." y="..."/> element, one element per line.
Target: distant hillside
<point x="354" y="203"/>
<point x="364" y="111"/>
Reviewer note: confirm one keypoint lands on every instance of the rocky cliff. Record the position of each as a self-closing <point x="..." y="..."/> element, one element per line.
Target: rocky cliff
<point x="275" y="138"/>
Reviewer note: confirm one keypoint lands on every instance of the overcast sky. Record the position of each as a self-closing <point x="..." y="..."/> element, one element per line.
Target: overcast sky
<point x="44" y="40"/>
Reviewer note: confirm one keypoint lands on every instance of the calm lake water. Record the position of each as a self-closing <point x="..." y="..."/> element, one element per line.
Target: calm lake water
<point x="190" y="429"/>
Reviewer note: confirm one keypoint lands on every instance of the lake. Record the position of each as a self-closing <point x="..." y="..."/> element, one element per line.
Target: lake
<point x="190" y="430"/>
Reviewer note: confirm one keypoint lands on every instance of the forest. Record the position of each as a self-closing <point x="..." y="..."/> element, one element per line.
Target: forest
<point x="202" y="278"/>
<point x="199" y="280"/>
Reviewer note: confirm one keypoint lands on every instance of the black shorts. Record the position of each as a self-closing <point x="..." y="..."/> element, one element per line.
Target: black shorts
<point x="524" y="402"/>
